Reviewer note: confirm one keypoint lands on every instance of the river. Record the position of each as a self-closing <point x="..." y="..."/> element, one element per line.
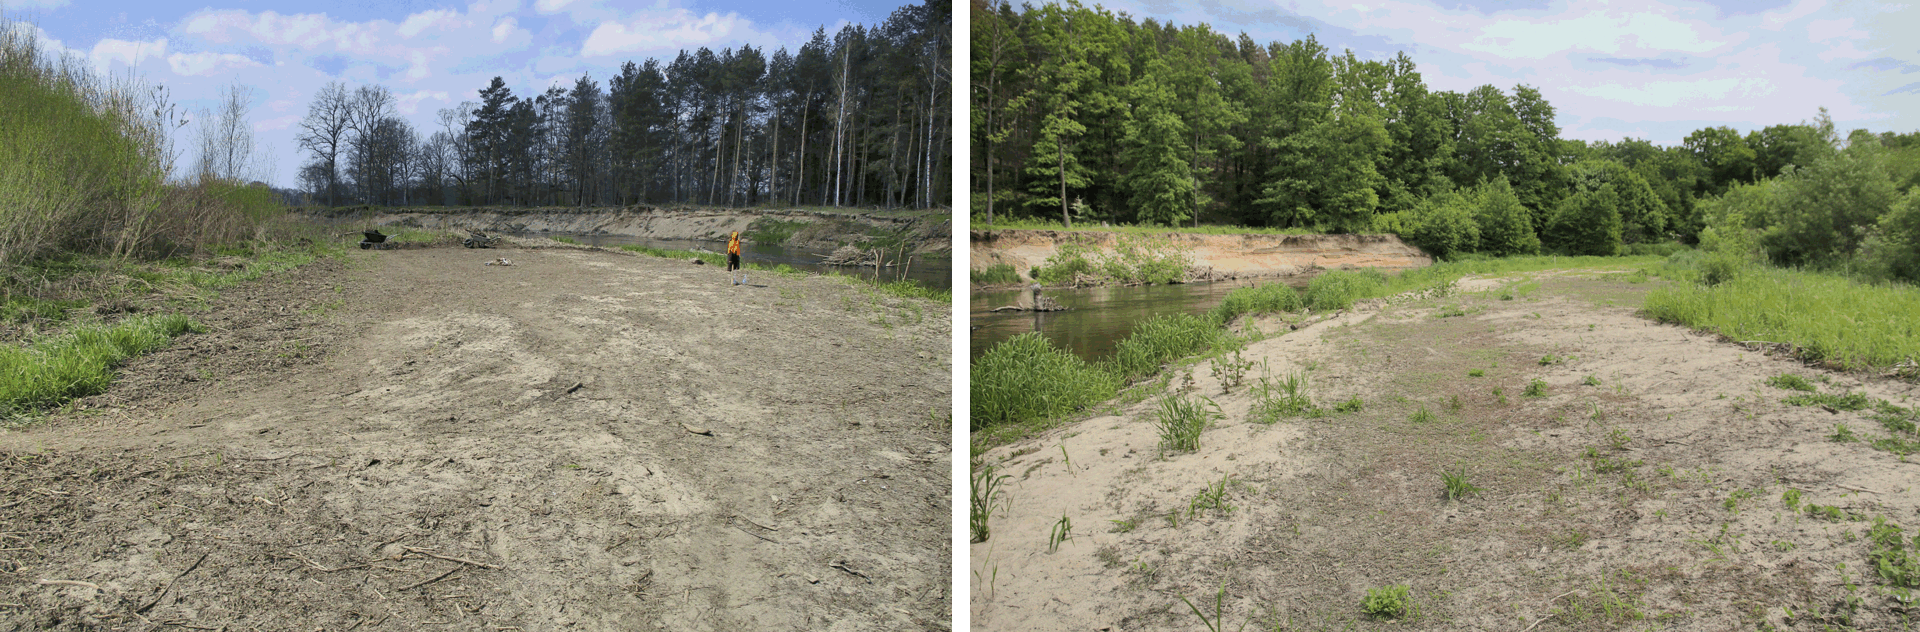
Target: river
<point x="1098" y="317"/>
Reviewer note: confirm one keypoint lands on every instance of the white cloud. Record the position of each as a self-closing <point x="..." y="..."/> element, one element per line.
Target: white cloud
<point x="504" y="30"/>
<point x="410" y="103"/>
<point x="1605" y="32"/>
<point x="1778" y="19"/>
<point x="194" y="64"/>
<point x="551" y="6"/>
<point x="277" y="123"/>
<point x="676" y="29"/>
<point x="111" y="50"/>
<point x="1668" y="94"/>
<point x="438" y="20"/>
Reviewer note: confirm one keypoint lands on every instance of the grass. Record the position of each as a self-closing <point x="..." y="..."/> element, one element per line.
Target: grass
<point x="1826" y="318"/>
<point x="1162" y="339"/>
<point x="1213" y="498"/>
<point x="1421" y="416"/>
<point x="1536" y="388"/>
<point x="1388" y="602"/>
<point x="1181" y="420"/>
<point x="1339" y="289"/>
<point x="564" y="239"/>
<point x="985" y="490"/>
<point x="1277" y="399"/>
<point x="1026" y="378"/>
<point x="1790" y="382"/>
<point x="1261" y="299"/>
<point x="55" y="370"/>
<point x="1456" y="484"/>
<point x="996" y="274"/>
<point x="1477" y="373"/>
<point x="899" y="289"/>
<point x="1062" y="531"/>
<point x="1893" y="558"/>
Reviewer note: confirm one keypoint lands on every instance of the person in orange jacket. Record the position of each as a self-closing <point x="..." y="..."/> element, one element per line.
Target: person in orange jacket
<point x="733" y="259"/>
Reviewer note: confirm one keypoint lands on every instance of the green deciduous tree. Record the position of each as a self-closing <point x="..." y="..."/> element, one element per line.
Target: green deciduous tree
<point x="1586" y="223"/>
<point x="1506" y="226"/>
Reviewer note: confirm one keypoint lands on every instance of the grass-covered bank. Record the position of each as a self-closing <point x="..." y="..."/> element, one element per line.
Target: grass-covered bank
<point x="902" y="289"/>
<point x="1026" y="385"/>
<point x="1825" y="318"/>
<point x="53" y="370"/>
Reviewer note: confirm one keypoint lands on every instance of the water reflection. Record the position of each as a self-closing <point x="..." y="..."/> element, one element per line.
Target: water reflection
<point x="1099" y="317"/>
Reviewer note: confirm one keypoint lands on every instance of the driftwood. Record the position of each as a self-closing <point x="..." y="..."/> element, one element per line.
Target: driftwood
<point x="1044" y="304"/>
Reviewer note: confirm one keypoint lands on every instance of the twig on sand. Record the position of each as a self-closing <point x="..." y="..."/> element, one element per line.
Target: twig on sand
<point x="436" y="578"/>
<point x="751" y="522"/>
<point x="316" y="566"/>
<point x="1859" y="489"/>
<point x="449" y="558"/>
<point x="67" y="582"/>
<point x="843" y="566"/>
<point x="176" y="579"/>
<point x="744" y="530"/>
<point x="1537" y="623"/>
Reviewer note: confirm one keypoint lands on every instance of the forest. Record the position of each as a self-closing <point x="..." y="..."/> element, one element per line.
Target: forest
<point x="1084" y="115"/>
<point x="858" y="118"/>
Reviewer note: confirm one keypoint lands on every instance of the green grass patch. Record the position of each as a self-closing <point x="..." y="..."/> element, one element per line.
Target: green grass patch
<point x="1276" y="399"/>
<point x="564" y="239"/>
<point x="1261" y="299"/>
<point x="1181" y="420"/>
<point x="1790" y="382"/>
<point x="767" y="230"/>
<point x="1826" y="318"/>
<point x="1162" y="339"/>
<point x="1388" y="602"/>
<point x="55" y="370"/>
<point x="996" y="274"/>
<point x="1026" y="379"/>
<point x="1338" y="289"/>
<point x="1849" y="401"/>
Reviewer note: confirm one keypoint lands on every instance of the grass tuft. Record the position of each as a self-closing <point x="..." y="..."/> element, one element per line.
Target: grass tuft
<point x="55" y="370"/>
<point x="1181" y="421"/>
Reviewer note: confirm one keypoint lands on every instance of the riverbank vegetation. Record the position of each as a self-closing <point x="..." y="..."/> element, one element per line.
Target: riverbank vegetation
<point x="106" y="246"/>
<point x="1149" y="124"/>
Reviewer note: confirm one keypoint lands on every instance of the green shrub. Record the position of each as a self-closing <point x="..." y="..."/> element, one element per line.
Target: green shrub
<point x="1506" y="226"/>
<point x="1446" y="226"/>
<point x="1587" y="224"/>
<point x="1067" y="263"/>
<point x="1388" y="602"/>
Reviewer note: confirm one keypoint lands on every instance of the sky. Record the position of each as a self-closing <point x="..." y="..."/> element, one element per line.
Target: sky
<point x="431" y="54"/>
<point x="1648" y="69"/>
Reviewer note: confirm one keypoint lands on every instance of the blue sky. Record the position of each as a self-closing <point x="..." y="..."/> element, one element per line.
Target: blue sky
<point x="1652" y="69"/>
<point x="432" y="54"/>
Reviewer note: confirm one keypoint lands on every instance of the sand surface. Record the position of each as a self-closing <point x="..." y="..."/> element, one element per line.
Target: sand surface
<point x="1653" y="498"/>
<point x="582" y="440"/>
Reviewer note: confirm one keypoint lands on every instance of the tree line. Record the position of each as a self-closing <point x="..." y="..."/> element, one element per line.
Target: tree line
<point x="1081" y="114"/>
<point x="860" y="118"/>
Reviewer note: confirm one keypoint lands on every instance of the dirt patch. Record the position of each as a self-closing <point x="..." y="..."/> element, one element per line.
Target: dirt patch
<point x="1213" y="257"/>
<point x="1645" y="486"/>
<point x="580" y="440"/>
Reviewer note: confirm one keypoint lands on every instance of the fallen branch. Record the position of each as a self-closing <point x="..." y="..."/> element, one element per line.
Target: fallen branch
<point x="176" y="579"/>
<point x="843" y="566"/>
<point x="67" y="582"/>
<point x="450" y="558"/>
<point x="323" y="569"/>
<point x="1859" y="489"/>
<point x="439" y="577"/>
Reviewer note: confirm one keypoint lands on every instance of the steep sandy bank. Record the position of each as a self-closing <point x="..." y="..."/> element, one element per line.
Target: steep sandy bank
<point x="1226" y="256"/>
<point x="930" y="232"/>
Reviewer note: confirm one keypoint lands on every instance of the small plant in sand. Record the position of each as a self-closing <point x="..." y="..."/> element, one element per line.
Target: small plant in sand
<point x="1231" y="372"/>
<point x="1352" y="405"/>
<point x="1453" y="403"/>
<point x="1551" y="359"/>
<point x="1477" y="373"/>
<point x="1849" y="401"/>
<point x="1214" y="497"/>
<point x="1842" y="434"/>
<point x="1124" y="526"/>
<point x="1536" y="388"/>
<point x="1792" y="499"/>
<point x="1896" y="562"/>
<point x="1500" y="395"/>
<point x="1421" y="416"/>
<point x="1388" y="602"/>
<point x="1062" y="531"/>
<point x="986" y="492"/>
<point x="1181" y="420"/>
<point x="1457" y="485"/>
<point x="1790" y="381"/>
<point x="1285" y="397"/>
<point x="1618" y="439"/>
<point x="1591" y="381"/>
<point x="1219" y="620"/>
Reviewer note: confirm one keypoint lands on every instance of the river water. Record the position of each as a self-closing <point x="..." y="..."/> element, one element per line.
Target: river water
<point x="1098" y="317"/>
<point x="930" y="272"/>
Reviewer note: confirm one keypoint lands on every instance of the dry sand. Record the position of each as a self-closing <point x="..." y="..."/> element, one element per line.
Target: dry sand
<point x="1568" y="533"/>
<point x="583" y="440"/>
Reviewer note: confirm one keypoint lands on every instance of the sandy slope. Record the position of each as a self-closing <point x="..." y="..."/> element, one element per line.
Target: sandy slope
<point x="346" y="432"/>
<point x="1325" y="509"/>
